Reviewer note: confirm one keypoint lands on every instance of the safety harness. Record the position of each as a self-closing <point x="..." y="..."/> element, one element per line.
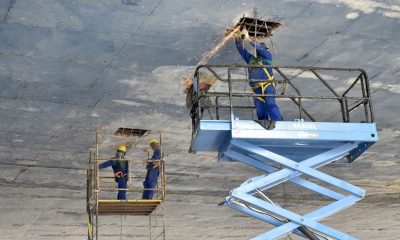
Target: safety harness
<point x="120" y="164"/>
<point x="264" y="84"/>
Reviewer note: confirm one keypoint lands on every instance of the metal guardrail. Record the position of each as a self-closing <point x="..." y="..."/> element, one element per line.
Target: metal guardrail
<point x="101" y="179"/>
<point x="282" y="76"/>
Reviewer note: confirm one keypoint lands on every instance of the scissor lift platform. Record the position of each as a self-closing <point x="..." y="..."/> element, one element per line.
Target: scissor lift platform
<point x="301" y="148"/>
<point x="292" y="139"/>
<point x="127" y="207"/>
<point x="291" y="152"/>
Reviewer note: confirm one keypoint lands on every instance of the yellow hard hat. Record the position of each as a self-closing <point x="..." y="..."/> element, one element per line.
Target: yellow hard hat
<point x="121" y="148"/>
<point x="153" y="141"/>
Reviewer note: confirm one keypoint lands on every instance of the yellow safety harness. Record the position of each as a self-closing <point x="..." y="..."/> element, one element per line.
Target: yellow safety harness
<point x="264" y="84"/>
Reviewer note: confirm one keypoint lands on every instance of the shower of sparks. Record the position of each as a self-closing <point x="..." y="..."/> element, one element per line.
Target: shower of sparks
<point x="208" y="55"/>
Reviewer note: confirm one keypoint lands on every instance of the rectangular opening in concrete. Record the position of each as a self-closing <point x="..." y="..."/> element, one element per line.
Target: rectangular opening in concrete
<point x="131" y="132"/>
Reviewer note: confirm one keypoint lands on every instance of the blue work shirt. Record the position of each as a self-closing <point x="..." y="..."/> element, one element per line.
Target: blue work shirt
<point x="156" y="156"/>
<point x="265" y="57"/>
<point x="117" y="165"/>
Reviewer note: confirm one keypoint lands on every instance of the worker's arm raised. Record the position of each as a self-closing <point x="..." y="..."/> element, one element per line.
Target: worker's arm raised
<point x="243" y="52"/>
<point x="260" y="48"/>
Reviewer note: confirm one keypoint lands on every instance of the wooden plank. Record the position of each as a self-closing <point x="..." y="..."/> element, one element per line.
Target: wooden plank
<point x="135" y="207"/>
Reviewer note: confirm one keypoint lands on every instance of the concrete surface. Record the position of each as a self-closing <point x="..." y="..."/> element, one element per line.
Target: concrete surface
<point x="67" y="67"/>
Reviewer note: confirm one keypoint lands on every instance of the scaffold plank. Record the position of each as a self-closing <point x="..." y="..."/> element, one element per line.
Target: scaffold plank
<point x="127" y="207"/>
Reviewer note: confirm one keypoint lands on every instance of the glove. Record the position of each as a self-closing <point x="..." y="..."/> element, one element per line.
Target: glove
<point x="156" y="164"/>
<point x="237" y="35"/>
<point x="244" y="34"/>
<point x="119" y="174"/>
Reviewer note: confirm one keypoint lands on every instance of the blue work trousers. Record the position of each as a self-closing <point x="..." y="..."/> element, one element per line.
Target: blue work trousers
<point x="267" y="110"/>
<point x="150" y="182"/>
<point x="122" y="183"/>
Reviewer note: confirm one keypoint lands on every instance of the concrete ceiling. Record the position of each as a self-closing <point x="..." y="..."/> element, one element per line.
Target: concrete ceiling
<point x="67" y="67"/>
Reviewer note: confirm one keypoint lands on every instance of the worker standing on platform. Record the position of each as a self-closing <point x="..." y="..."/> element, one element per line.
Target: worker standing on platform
<point x="153" y="170"/>
<point x="266" y="107"/>
<point x="120" y="167"/>
<point x="204" y="84"/>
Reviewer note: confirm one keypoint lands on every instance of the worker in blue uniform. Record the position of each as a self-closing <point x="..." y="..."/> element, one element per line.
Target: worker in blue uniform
<point x="120" y="167"/>
<point x="153" y="170"/>
<point x="267" y="109"/>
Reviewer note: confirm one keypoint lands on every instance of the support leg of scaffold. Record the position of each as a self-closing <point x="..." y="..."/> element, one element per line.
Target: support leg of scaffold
<point x="97" y="217"/>
<point x="150" y="226"/>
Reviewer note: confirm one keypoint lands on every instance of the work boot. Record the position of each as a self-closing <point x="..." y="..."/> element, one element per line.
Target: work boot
<point x="265" y="123"/>
<point x="271" y="125"/>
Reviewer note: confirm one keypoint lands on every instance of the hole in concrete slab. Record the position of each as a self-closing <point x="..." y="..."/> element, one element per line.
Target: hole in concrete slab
<point x="131" y="132"/>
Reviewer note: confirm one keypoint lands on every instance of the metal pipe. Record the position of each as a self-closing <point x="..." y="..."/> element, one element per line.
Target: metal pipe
<point x="346" y="106"/>
<point x="230" y="92"/>
<point x="211" y="70"/>
<point x="163" y="219"/>
<point x="97" y="215"/>
<point x="356" y="106"/>
<point x="277" y="66"/>
<point x="365" y="92"/>
<point x="288" y="80"/>
<point x="342" y="108"/>
<point x="352" y="85"/>
<point x="301" y="109"/>
<point x="222" y="94"/>
<point x="325" y="83"/>
<point x="125" y="159"/>
<point x="367" y="88"/>
<point x="216" y="107"/>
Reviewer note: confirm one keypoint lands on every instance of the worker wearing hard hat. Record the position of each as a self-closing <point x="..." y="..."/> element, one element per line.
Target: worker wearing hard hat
<point x="266" y="107"/>
<point x="153" y="170"/>
<point x="120" y="167"/>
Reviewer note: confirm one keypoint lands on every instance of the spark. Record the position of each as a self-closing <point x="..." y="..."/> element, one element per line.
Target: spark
<point x="208" y="55"/>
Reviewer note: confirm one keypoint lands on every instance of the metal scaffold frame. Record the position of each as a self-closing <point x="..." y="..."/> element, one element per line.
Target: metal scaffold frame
<point x="299" y="147"/>
<point x="99" y="205"/>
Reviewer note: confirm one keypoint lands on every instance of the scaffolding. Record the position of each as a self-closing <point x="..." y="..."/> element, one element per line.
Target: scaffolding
<point x="305" y="140"/>
<point x="101" y="190"/>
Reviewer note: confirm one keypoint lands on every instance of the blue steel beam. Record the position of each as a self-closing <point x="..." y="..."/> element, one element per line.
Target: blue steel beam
<point x="296" y="180"/>
<point x="285" y="173"/>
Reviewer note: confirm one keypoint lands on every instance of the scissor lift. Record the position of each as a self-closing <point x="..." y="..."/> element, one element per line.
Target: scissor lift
<point x="297" y="147"/>
<point x="101" y="191"/>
